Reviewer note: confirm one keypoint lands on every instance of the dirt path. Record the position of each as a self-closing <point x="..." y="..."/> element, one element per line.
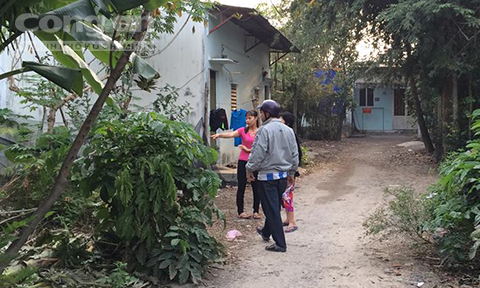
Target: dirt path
<point x="330" y="248"/>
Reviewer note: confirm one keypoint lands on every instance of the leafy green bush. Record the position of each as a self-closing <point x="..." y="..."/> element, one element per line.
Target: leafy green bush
<point x="305" y="159"/>
<point x="34" y="166"/>
<point x="7" y="235"/>
<point x="457" y="201"/>
<point x="158" y="199"/>
<point x="449" y="216"/>
<point x="406" y="213"/>
<point x="120" y="277"/>
<point x="32" y="174"/>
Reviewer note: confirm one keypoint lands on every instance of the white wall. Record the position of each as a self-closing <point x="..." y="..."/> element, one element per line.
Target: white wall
<point x="181" y="65"/>
<point x="185" y="64"/>
<point x="8" y="62"/>
<point x="247" y="74"/>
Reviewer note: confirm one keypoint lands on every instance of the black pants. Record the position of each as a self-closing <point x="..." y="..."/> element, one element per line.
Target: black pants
<point x="271" y="197"/>
<point x="242" y="183"/>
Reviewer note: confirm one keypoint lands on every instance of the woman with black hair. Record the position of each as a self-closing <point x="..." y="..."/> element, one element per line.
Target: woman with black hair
<point x="248" y="135"/>
<point x="287" y="199"/>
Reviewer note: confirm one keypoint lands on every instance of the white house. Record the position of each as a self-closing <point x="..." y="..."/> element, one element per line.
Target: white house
<point x="225" y="64"/>
<point x="381" y="106"/>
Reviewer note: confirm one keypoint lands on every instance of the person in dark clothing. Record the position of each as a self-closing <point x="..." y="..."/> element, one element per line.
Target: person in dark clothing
<point x="289" y="120"/>
<point x="275" y="157"/>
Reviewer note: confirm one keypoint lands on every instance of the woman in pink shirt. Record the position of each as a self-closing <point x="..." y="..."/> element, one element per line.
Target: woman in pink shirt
<point x="248" y="135"/>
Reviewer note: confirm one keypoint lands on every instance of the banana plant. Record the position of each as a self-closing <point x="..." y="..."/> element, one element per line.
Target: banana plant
<point x="61" y="180"/>
<point x="87" y="35"/>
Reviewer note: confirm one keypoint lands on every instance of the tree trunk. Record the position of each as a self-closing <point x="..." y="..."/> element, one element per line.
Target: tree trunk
<point x="420" y="115"/>
<point x="275" y="71"/>
<point x="439" y="131"/>
<point x="61" y="180"/>
<point x="446" y="112"/>
<point x="409" y="66"/>
<point x="470" y="107"/>
<point x="64" y="119"/>
<point x="51" y="120"/>
<point x="295" y="106"/>
<point x="455" y="100"/>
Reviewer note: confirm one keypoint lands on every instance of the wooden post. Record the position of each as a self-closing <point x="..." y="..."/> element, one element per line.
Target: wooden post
<point x="206" y="115"/>
<point x="295" y="107"/>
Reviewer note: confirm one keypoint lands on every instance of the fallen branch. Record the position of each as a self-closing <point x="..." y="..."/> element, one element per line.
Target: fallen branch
<point x="13" y="218"/>
<point x="17" y="211"/>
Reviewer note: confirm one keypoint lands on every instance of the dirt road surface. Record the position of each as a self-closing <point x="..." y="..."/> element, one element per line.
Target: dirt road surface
<point x="330" y="249"/>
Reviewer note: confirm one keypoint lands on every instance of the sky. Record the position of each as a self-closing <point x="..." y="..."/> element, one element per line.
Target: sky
<point x="364" y="49"/>
<point x="246" y="3"/>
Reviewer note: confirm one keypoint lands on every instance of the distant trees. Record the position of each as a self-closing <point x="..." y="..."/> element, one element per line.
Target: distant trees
<point x="431" y="44"/>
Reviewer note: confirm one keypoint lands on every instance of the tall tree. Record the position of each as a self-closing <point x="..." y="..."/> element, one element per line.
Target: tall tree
<point x="71" y="77"/>
<point x="425" y="39"/>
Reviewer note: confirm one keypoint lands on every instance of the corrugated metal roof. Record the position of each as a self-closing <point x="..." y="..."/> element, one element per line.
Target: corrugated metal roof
<point x="256" y="25"/>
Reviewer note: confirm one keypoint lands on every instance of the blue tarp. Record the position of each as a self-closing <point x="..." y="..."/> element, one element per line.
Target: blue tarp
<point x="327" y="78"/>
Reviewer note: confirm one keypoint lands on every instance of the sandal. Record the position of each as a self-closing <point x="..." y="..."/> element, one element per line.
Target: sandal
<point x="285" y="224"/>
<point x="291" y="229"/>
<point x="257" y="216"/>
<point x="244" y="215"/>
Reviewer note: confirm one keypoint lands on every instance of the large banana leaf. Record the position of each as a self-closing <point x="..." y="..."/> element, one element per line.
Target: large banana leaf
<point x="67" y="78"/>
<point x="154" y="4"/>
<point x="103" y="7"/>
<point x="124" y="5"/>
<point x="96" y="41"/>
<point x="143" y="68"/>
<point x="69" y="58"/>
<point x="79" y="10"/>
<point x="99" y="43"/>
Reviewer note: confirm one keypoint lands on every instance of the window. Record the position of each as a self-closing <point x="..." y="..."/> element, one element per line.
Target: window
<point x="233" y="95"/>
<point x="366" y="97"/>
<point x="399" y="102"/>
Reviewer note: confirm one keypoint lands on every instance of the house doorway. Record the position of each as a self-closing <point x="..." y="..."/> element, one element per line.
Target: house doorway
<point x="213" y="100"/>
<point x="213" y="89"/>
<point x="400" y="119"/>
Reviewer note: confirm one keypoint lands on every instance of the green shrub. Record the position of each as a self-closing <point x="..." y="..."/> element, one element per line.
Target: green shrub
<point x="305" y="159"/>
<point x="406" y="213"/>
<point x="457" y="202"/>
<point x="34" y="166"/>
<point x="158" y="198"/>
<point x="449" y="216"/>
<point x="32" y="172"/>
<point x="120" y="277"/>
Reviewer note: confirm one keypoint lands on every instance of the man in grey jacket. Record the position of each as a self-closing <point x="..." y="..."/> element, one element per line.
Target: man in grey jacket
<point x="275" y="156"/>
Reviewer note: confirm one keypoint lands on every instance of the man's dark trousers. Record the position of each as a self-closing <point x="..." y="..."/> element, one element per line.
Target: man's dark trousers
<point x="270" y="197"/>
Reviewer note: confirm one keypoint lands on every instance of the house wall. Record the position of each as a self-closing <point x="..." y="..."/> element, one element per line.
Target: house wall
<point x="180" y="65"/>
<point x="381" y="118"/>
<point x="185" y="65"/>
<point x="230" y="40"/>
<point x="8" y="62"/>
